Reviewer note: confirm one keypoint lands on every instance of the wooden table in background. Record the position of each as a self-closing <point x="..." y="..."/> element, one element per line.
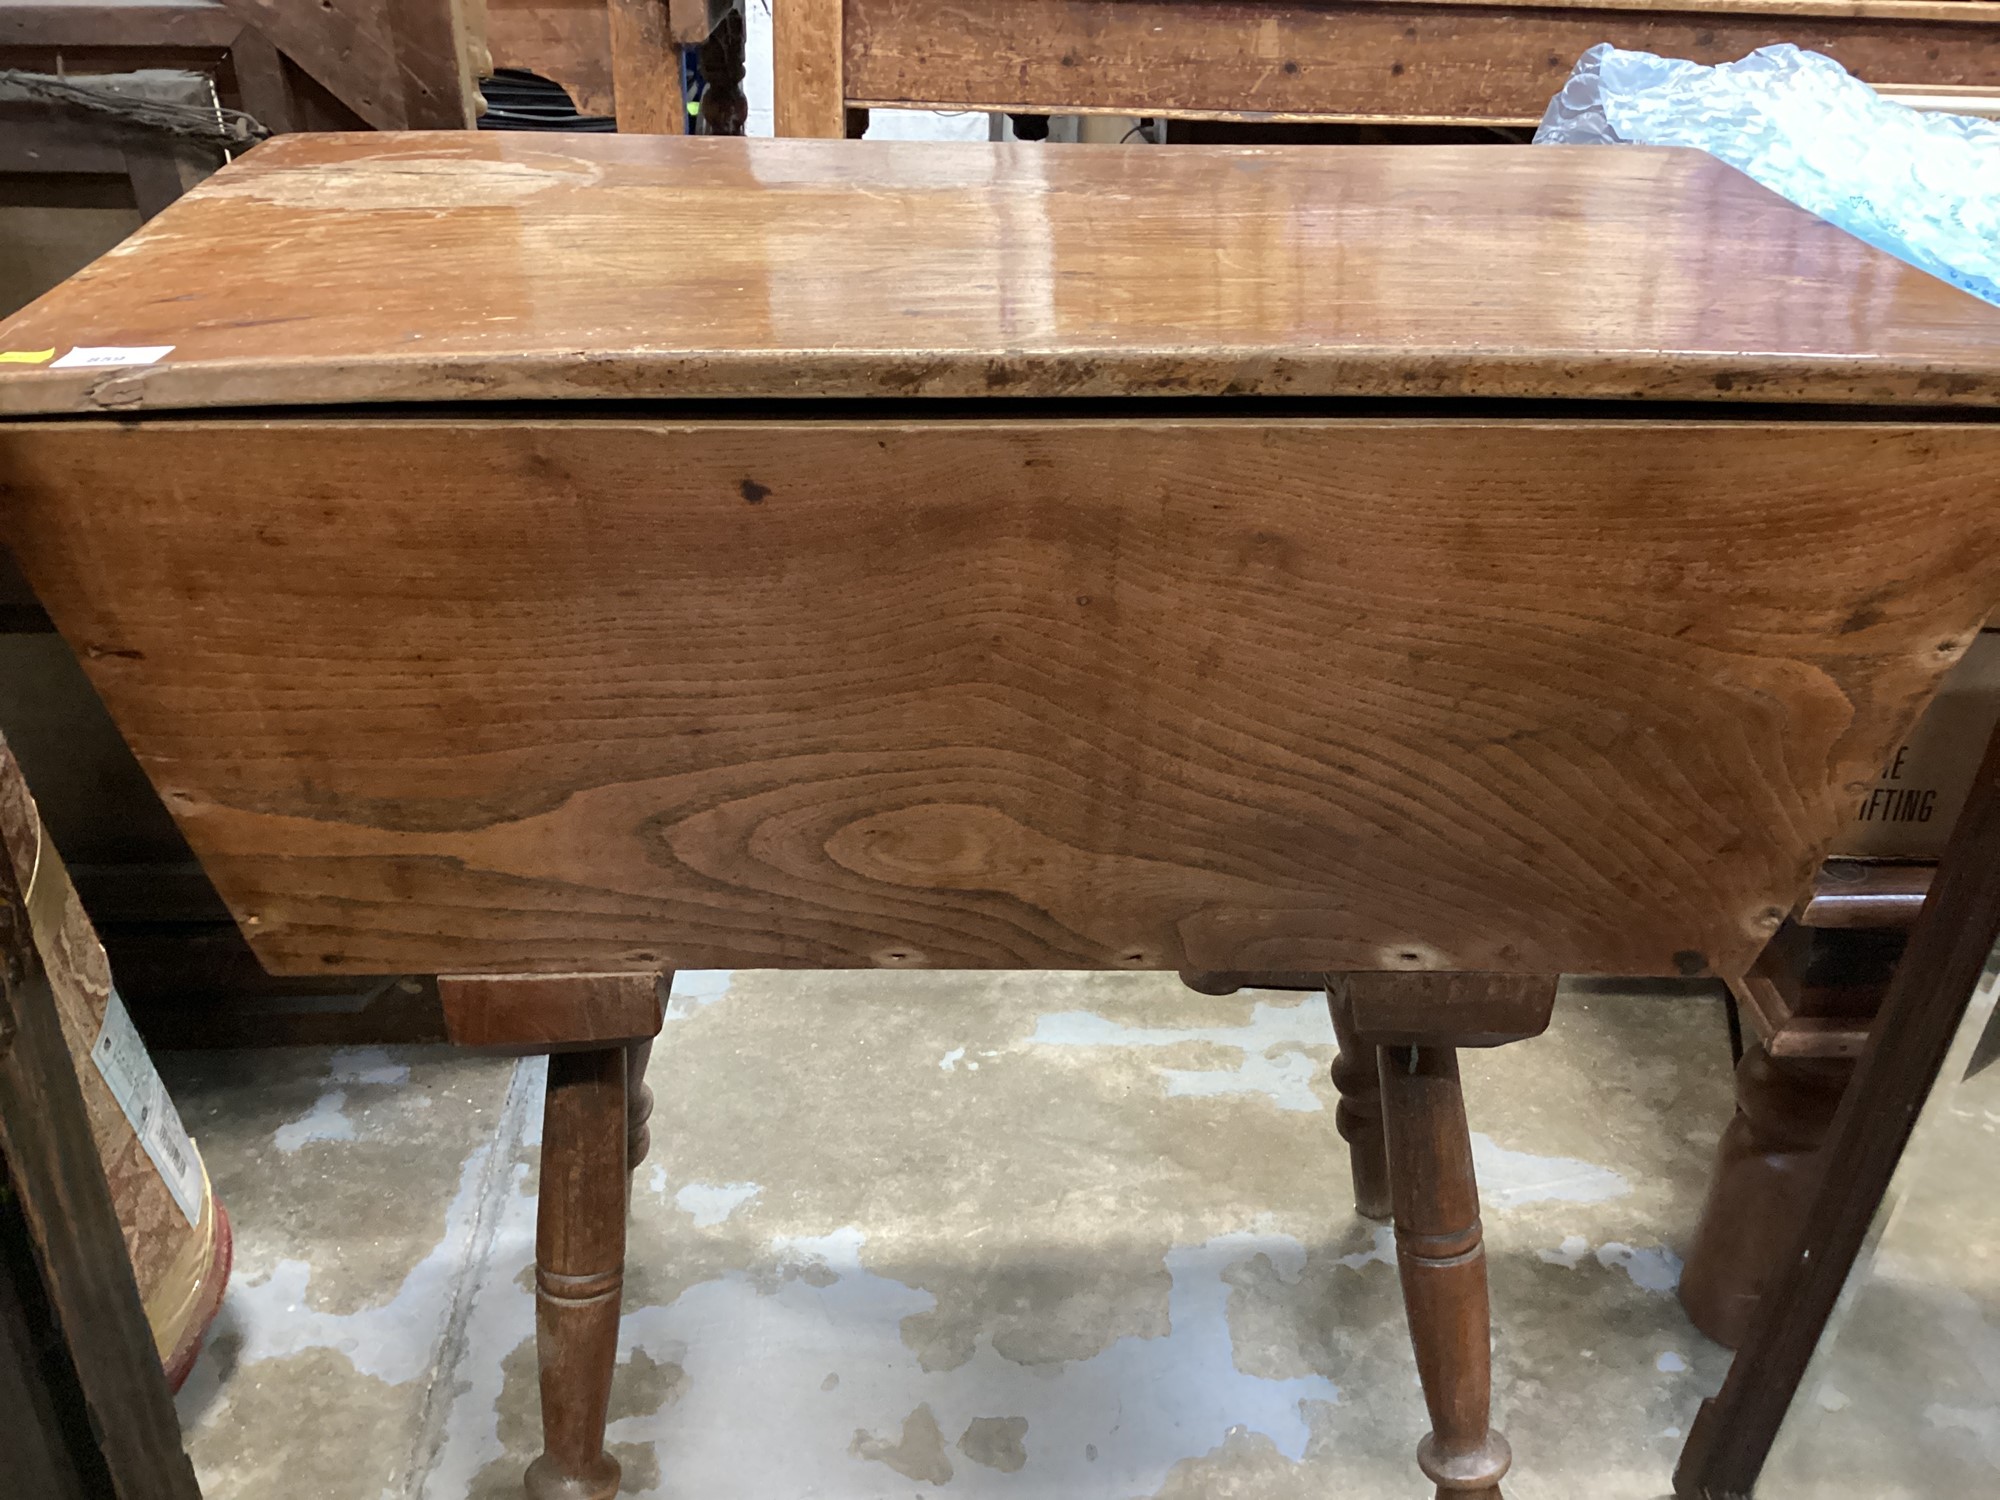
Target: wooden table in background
<point x="1441" y="569"/>
<point x="1469" y="62"/>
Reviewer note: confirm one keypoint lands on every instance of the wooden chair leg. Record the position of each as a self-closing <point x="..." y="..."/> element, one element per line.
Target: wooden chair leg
<point x="1443" y="1267"/>
<point x="598" y="1030"/>
<point x="1767" y="1166"/>
<point x="638" y="1104"/>
<point x="580" y="1269"/>
<point x="1358" y="1116"/>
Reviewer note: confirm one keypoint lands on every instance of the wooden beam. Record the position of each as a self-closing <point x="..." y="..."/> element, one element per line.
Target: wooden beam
<point x="807" y="62"/>
<point x="42" y="1457"/>
<point x="431" y="41"/>
<point x="646" y="69"/>
<point x="344" y="47"/>
<point x="398" y="64"/>
<point x="262" y="89"/>
<point x="124" y="28"/>
<point x="1346" y="60"/>
<point x="688" y="21"/>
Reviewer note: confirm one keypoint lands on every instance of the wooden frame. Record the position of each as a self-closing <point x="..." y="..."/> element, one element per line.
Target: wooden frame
<point x="1424" y="61"/>
<point x="378" y="64"/>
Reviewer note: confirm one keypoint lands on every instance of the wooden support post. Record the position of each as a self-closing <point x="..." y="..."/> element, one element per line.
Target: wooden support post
<point x="646" y="69"/>
<point x="1358" y="1116"/>
<point x="808" y="68"/>
<point x="1443" y="1265"/>
<point x="262" y="86"/>
<point x="580" y="1270"/>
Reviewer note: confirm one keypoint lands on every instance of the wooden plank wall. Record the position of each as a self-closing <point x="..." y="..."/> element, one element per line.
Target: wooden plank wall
<point x="1437" y="61"/>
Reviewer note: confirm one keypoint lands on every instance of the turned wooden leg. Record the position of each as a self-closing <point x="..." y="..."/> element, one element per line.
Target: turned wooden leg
<point x="638" y="1104"/>
<point x="1766" y="1166"/>
<point x="1443" y="1266"/>
<point x="598" y="1030"/>
<point x="1358" y="1116"/>
<point x="580" y="1269"/>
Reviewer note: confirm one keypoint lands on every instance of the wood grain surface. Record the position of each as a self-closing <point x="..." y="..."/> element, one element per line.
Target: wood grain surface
<point x="568" y="41"/>
<point x="807" y="54"/>
<point x="1352" y="59"/>
<point x="645" y="69"/>
<point x="483" y="265"/>
<point x="398" y="64"/>
<point x="1226" y="694"/>
<point x="548" y="1013"/>
<point x="1456" y="1009"/>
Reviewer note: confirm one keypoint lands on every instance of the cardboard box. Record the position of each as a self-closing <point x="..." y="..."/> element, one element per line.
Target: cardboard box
<point x="1909" y="813"/>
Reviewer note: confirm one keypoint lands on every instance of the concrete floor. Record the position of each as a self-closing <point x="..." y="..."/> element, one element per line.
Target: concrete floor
<point x="1062" y="1236"/>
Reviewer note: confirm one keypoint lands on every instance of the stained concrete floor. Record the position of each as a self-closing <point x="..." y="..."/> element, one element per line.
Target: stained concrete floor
<point x="1018" y="1235"/>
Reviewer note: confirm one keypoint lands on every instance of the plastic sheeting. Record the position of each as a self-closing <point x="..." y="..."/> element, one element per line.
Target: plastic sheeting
<point x="1922" y="186"/>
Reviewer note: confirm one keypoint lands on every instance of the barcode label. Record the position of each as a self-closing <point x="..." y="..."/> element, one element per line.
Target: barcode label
<point x="129" y="1073"/>
<point x="101" y="356"/>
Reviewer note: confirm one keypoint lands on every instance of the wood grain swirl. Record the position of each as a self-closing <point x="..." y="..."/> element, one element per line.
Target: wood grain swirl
<point x="523" y="696"/>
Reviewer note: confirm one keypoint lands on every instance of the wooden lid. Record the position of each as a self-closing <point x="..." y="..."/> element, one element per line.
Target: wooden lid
<point x="452" y="267"/>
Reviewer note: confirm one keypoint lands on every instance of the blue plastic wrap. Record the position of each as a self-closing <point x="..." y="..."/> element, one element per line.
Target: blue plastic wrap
<point x="1922" y="186"/>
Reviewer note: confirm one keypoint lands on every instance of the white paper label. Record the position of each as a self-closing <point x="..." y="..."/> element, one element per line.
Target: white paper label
<point x="85" y="357"/>
<point x="129" y="1073"/>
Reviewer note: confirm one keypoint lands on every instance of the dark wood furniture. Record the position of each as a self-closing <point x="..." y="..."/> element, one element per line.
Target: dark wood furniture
<point x="1009" y="558"/>
<point x="1806" y="1004"/>
<point x="1950" y="948"/>
<point x="1414" y="62"/>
